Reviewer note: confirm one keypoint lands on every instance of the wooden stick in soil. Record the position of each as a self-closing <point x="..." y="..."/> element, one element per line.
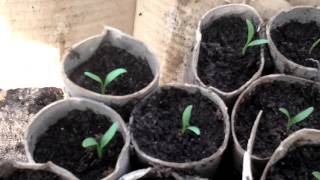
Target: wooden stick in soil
<point x="246" y="173"/>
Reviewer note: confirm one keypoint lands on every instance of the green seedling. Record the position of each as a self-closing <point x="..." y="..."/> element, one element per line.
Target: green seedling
<point x="108" y="79"/>
<point x="316" y="174"/>
<point x="90" y="142"/>
<point x="297" y="118"/>
<point x="314" y="45"/>
<point x="186" y="116"/>
<point x="250" y="42"/>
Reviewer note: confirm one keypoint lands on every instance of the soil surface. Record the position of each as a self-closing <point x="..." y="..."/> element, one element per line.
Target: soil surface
<point x="273" y="125"/>
<point x="294" y="39"/>
<point x="221" y="63"/>
<point x="108" y="58"/>
<point x="61" y="144"/>
<point x="297" y="164"/>
<point x="32" y="175"/>
<point x="158" y="121"/>
<point x="17" y="107"/>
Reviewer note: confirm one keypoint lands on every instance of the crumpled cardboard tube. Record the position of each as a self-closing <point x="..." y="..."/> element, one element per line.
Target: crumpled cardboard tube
<point x="82" y="51"/>
<point x="301" y="14"/>
<point x="8" y="167"/>
<point x="50" y="114"/>
<point x="244" y="12"/>
<point x="299" y="138"/>
<point x="205" y="167"/>
<point x="258" y="163"/>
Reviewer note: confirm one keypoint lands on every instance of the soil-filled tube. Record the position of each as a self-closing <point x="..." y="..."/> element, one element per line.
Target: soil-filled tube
<point x="256" y="92"/>
<point x="10" y="169"/>
<point x="288" y="63"/>
<point x="301" y="138"/>
<point x="50" y="115"/>
<point x="233" y="10"/>
<point x="167" y="145"/>
<point x="84" y="50"/>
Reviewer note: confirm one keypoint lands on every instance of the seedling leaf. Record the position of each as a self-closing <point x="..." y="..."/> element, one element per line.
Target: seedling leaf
<point x="186" y="117"/>
<point x="113" y="75"/>
<point x="301" y="116"/>
<point x="93" y="77"/>
<point x="250" y="33"/>
<point x="315" y="44"/>
<point x="285" y="112"/>
<point x="108" y="136"/>
<point x="258" y="42"/>
<point x="194" y="129"/>
<point x="89" y="142"/>
<point x="316" y="174"/>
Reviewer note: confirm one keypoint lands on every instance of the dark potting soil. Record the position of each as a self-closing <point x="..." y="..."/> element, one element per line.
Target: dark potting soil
<point x="273" y="124"/>
<point x="61" y="144"/>
<point x="108" y="58"/>
<point x="157" y="126"/>
<point x="297" y="164"/>
<point x="31" y="175"/>
<point x="221" y="63"/>
<point x="294" y="39"/>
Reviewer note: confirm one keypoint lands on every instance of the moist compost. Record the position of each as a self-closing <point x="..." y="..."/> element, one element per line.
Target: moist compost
<point x="157" y="125"/>
<point x="61" y="144"/>
<point x="31" y="175"/>
<point x="294" y="39"/>
<point x="221" y="63"/>
<point x="297" y="164"/>
<point x="272" y="129"/>
<point x="108" y="58"/>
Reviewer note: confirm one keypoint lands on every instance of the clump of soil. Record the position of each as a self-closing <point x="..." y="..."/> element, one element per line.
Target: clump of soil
<point x="294" y="39"/>
<point x="273" y="125"/>
<point x="297" y="164"/>
<point x="108" y="58"/>
<point x="61" y="144"/>
<point x="31" y="175"/>
<point x="157" y="126"/>
<point x="221" y="63"/>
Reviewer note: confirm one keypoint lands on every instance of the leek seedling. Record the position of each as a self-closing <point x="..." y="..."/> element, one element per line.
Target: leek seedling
<point x="105" y="140"/>
<point x="250" y="36"/>
<point x="316" y="174"/>
<point x="297" y="118"/>
<point x="315" y="44"/>
<point x="108" y="79"/>
<point x="186" y="116"/>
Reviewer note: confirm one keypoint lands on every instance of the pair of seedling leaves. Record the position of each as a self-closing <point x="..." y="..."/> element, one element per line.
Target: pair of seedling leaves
<point x="90" y="142"/>
<point x="250" y="43"/>
<point x="108" y="79"/>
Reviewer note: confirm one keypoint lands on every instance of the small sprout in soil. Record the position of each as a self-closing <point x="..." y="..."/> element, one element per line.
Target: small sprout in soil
<point x="297" y="118"/>
<point x="250" y="36"/>
<point x="186" y="116"/>
<point x="315" y="44"/>
<point x="109" y="78"/>
<point x="316" y="174"/>
<point x="90" y="142"/>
